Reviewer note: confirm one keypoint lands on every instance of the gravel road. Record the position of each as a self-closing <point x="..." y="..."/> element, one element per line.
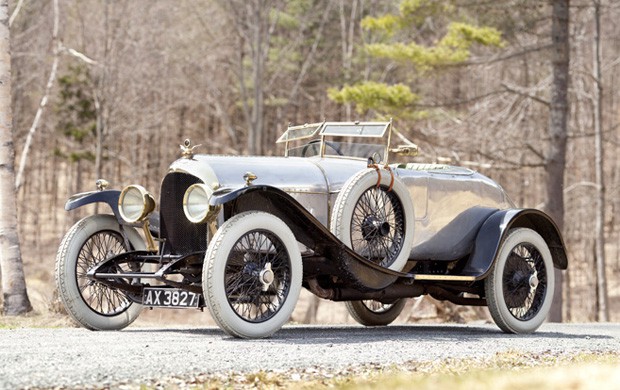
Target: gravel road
<point x="77" y="357"/>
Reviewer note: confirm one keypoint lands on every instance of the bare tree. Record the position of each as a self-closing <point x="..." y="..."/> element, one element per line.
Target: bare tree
<point x="556" y="154"/>
<point x="13" y="281"/>
<point x="48" y="87"/>
<point x="254" y="30"/>
<point x="347" y="42"/>
<point x="601" y="279"/>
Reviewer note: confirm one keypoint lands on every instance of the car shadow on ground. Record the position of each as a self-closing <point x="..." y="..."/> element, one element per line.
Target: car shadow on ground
<point x="352" y="334"/>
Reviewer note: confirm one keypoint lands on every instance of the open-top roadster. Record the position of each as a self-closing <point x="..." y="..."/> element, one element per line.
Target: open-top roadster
<point x="243" y="235"/>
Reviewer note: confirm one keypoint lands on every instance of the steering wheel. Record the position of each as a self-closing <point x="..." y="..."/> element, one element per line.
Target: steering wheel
<point x="316" y="141"/>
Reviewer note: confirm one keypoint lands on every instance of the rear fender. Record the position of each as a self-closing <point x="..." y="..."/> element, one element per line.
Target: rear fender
<point x="495" y="229"/>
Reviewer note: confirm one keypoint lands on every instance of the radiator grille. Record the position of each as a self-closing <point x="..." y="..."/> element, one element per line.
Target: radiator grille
<point x="181" y="235"/>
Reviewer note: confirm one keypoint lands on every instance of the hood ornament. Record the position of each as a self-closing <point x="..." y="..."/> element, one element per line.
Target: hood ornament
<point x="187" y="150"/>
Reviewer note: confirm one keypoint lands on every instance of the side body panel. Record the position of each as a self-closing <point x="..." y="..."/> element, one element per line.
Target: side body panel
<point x="451" y="204"/>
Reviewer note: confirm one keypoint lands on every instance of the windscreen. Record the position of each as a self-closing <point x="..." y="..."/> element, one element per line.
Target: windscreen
<point x="355" y="129"/>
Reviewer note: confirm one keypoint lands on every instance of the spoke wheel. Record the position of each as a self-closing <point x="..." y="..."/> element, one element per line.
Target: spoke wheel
<point x="257" y="276"/>
<point x="378" y="226"/>
<point x="376" y="221"/>
<point x="252" y="275"/>
<point x="375" y="313"/>
<point x="100" y="298"/>
<point x="524" y="282"/>
<point x="520" y="285"/>
<point x="94" y="305"/>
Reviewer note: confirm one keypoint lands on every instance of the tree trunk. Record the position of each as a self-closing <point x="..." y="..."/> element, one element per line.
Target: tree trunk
<point x="48" y="87"/>
<point x="601" y="279"/>
<point x="347" y="30"/>
<point x="255" y="139"/>
<point x="13" y="281"/>
<point x="251" y="20"/>
<point x="556" y="154"/>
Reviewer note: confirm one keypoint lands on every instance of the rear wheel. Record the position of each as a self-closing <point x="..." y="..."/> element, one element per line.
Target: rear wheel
<point x="252" y="275"/>
<point x="375" y="313"/>
<point x="92" y="304"/>
<point x="519" y="288"/>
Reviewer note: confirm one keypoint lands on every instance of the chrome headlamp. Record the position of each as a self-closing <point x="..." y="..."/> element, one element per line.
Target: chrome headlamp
<point x="196" y="203"/>
<point x="135" y="203"/>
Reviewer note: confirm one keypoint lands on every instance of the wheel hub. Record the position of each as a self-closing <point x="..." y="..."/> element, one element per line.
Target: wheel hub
<point x="520" y="283"/>
<point x="533" y="281"/>
<point x="372" y="228"/>
<point x="266" y="276"/>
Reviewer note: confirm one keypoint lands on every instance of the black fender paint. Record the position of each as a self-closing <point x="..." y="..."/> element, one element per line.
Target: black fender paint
<point x="110" y="197"/>
<point x="495" y="229"/>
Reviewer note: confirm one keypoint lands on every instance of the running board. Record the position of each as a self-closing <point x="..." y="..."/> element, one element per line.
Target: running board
<point x="450" y="278"/>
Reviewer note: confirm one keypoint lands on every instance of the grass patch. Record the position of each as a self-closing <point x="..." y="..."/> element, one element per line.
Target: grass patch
<point x="35" y="319"/>
<point x="511" y="370"/>
<point x="507" y="371"/>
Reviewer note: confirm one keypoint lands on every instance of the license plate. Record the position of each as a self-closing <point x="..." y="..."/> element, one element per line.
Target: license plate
<point x="169" y="297"/>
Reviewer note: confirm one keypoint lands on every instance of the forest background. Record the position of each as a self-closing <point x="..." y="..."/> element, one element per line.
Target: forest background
<point x="110" y="88"/>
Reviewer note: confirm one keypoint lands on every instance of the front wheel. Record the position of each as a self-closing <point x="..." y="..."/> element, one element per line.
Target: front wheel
<point x="519" y="288"/>
<point x="252" y="275"/>
<point x="92" y="304"/>
<point x="375" y="313"/>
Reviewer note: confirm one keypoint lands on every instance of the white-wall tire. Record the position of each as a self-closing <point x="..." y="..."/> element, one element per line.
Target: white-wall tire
<point x="361" y="206"/>
<point x="81" y="248"/>
<point x="519" y="287"/>
<point x="233" y="275"/>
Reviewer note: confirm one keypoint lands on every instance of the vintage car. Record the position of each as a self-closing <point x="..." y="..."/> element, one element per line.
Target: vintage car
<point x="242" y="235"/>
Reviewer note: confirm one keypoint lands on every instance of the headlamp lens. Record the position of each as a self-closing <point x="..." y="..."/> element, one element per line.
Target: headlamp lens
<point x="135" y="203"/>
<point x="196" y="202"/>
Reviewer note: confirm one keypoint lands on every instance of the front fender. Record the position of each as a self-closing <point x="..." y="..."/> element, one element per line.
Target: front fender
<point x="494" y="230"/>
<point x="345" y="263"/>
<point x="307" y="229"/>
<point x="305" y="226"/>
<point x="110" y="197"/>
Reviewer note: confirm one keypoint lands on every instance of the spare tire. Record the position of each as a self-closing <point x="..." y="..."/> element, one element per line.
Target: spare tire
<point x="374" y="216"/>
